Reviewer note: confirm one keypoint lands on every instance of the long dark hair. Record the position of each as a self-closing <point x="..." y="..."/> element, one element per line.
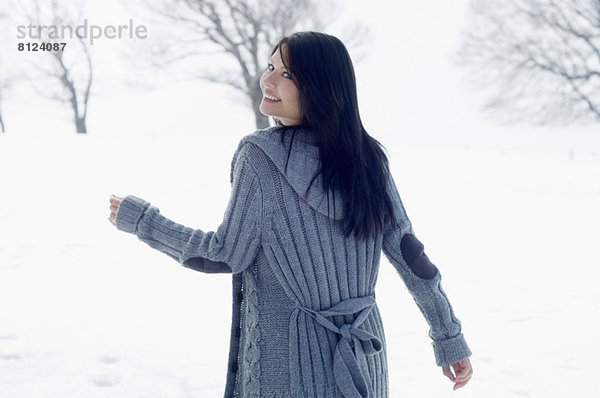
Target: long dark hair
<point x="351" y="160"/>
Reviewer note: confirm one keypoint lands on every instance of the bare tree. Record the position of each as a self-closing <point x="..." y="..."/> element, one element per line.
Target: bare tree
<point x="69" y="71"/>
<point x="241" y="31"/>
<point x="1" y="121"/>
<point x="8" y="76"/>
<point x="536" y="61"/>
<point x="5" y="84"/>
<point x="2" y="88"/>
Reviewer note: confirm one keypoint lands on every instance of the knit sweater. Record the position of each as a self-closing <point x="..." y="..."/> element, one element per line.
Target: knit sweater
<point x="305" y="322"/>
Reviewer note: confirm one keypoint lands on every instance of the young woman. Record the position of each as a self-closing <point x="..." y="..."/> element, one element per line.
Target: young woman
<point x="312" y="206"/>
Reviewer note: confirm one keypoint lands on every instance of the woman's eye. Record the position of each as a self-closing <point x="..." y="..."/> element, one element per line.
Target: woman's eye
<point x="285" y="74"/>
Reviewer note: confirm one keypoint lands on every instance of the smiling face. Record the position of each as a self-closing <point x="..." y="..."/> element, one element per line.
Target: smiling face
<point x="277" y="84"/>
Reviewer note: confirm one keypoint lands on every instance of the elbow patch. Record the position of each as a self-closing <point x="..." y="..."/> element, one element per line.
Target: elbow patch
<point x="413" y="254"/>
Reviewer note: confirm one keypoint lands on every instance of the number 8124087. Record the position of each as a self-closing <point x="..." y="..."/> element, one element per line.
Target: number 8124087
<point x="41" y="46"/>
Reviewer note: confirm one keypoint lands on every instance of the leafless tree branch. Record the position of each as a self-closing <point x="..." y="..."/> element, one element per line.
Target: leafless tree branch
<point x="72" y="83"/>
<point x="242" y="31"/>
<point x="536" y="61"/>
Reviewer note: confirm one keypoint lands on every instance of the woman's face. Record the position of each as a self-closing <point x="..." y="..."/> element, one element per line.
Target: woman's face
<point x="277" y="83"/>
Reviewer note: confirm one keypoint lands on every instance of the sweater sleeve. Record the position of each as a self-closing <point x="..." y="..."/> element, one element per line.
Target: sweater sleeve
<point x="231" y="248"/>
<point x="423" y="280"/>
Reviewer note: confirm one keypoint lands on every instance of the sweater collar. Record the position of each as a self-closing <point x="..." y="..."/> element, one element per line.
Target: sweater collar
<point x="302" y="166"/>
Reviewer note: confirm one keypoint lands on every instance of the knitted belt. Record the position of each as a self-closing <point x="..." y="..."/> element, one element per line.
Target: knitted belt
<point x="350" y="369"/>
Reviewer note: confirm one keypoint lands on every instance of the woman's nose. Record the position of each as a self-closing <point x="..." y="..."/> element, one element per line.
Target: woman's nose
<point x="268" y="81"/>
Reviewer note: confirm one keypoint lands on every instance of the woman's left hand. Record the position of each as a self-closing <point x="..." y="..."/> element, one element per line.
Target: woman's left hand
<point x="463" y="372"/>
<point x="115" y="201"/>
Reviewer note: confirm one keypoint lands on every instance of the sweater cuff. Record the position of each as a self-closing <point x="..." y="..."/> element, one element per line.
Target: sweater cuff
<point x="450" y="351"/>
<point x="130" y="212"/>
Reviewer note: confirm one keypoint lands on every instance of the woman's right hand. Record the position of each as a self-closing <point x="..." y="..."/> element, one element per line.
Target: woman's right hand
<point x="115" y="201"/>
<point x="462" y="373"/>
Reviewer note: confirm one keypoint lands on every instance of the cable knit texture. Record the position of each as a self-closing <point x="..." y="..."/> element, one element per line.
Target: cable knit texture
<point x="251" y="352"/>
<point x="305" y="321"/>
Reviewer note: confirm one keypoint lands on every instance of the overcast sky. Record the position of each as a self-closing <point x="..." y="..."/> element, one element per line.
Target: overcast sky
<point x="410" y="93"/>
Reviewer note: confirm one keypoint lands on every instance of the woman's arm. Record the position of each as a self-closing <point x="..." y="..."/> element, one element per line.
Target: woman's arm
<point x="229" y="249"/>
<point x="423" y="280"/>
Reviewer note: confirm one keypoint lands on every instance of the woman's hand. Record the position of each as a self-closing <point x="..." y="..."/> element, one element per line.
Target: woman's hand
<point x="462" y="370"/>
<point x="115" y="201"/>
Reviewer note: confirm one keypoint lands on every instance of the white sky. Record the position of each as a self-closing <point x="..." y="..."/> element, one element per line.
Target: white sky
<point x="409" y="90"/>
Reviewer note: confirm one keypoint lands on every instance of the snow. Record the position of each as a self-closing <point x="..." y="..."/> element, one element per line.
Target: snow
<point x="89" y="311"/>
<point x="509" y="215"/>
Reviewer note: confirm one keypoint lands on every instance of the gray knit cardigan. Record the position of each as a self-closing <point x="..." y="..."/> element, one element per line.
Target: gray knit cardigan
<point x="305" y="322"/>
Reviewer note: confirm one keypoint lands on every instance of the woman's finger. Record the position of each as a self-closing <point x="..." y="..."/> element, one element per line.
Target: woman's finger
<point x="463" y="378"/>
<point x="463" y="370"/>
<point x="464" y="374"/>
<point x="459" y="385"/>
<point x="115" y="202"/>
<point x="446" y="371"/>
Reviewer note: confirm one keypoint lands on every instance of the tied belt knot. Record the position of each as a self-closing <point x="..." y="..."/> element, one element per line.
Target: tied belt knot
<point x="350" y="368"/>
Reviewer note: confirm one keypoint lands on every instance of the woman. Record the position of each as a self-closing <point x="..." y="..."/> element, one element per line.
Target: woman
<point x="304" y="251"/>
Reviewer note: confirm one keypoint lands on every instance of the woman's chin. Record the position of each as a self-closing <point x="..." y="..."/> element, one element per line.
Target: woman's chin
<point x="261" y="110"/>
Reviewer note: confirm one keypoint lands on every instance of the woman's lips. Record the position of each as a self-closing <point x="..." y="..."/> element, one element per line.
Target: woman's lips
<point x="269" y="100"/>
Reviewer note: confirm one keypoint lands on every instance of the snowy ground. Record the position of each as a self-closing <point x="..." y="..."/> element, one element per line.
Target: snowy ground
<point x="89" y="311"/>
